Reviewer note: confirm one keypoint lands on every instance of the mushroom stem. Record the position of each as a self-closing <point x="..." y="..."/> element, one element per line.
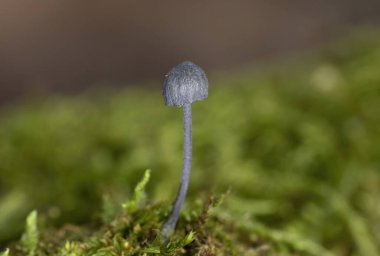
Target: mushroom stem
<point x="170" y="224"/>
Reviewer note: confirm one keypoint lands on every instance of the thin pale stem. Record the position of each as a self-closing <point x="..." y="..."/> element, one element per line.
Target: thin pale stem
<point x="169" y="226"/>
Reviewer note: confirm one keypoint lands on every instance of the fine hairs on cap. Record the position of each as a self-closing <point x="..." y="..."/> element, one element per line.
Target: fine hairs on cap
<point x="184" y="84"/>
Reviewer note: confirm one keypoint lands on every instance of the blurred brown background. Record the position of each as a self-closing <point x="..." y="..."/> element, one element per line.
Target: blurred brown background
<point x="67" y="45"/>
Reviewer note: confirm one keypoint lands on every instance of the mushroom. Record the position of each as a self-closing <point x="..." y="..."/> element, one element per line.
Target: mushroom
<point x="183" y="84"/>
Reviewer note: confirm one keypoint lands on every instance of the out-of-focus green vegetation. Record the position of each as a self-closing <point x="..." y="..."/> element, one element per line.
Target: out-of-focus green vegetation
<point x="299" y="147"/>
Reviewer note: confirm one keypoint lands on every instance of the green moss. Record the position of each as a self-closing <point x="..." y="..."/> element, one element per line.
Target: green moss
<point x="205" y="230"/>
<point x="5" y="253"/>
<point x="29" y="240"/>
<point x="298" y="145"/>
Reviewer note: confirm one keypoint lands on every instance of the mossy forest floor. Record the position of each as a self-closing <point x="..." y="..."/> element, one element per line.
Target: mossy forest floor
<point x="286" y="162"/>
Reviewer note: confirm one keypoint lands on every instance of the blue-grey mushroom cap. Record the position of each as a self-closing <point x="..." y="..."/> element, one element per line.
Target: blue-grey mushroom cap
<point x="184" y="84"/>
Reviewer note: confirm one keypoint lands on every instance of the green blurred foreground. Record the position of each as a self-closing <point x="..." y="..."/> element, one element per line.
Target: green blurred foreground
<point x="298" y="147"/>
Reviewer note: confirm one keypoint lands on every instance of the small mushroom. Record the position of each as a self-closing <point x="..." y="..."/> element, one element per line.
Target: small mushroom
<point x="184" y="84"/>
